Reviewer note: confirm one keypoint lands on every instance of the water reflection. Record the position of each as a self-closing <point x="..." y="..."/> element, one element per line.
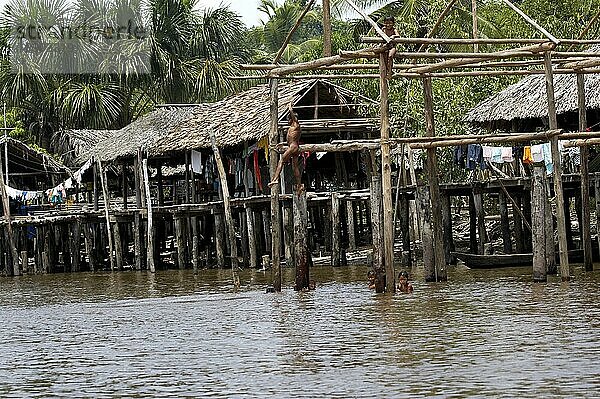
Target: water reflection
<point x="483" y="333"/>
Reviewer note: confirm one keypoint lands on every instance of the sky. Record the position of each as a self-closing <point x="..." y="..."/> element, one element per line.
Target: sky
<point x="246" y="8"/>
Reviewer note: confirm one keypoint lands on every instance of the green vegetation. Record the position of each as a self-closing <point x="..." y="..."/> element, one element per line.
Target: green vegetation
<point x="193" y="54"/>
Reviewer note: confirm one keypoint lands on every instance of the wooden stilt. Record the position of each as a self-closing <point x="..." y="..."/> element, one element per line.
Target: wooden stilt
<point x="586" y="234"/>
<point x="597" y="197"/>
<point x="336" y="256"/>
<point x="252" y="244"/>
<point x="473" y="246"/>
<point x="195" y="244"/>
<point x="244" y="238"/>
<point x="538" y="205"/>
<point x="550" y="244"/>
<point x="351" y="225"/>
<point x="505" y="223"/>
<point x="376" y="228"/>
<point x="219" y="239"/>
<point x="288" y="234"/>
<point x="527" y="235"/>
<point x="404" y="217"/>
<point x="95" y="181"/>
<point x="558" y="185"/>
<point x="107" y="215"/>
<point x="15" y="270"/>
<point x="137" y="240"/>
<point x="25" y="262"/>
<point x="441" y="273"/>
<point x="45" y="262"/>
<point x="266" y="230"/>
<point x="124" y="185"/>
<point x="159" y="182"/>
<point x="275" y="212"/>
<point x="480" y="215"/>
<point x="180" y="242"/>
<point x="76" y="247"/>
<point x="150" y="232"/>
<point x="88" y="238"/>
<point x="447" y="221"/>
<point x="567" y="211"/>
<point x="428" y="253"/>
<point x="227" y="208"/>
<point x="386" y="176"/>
<point x="300" y="243"/>
<point x="518" y="226"/>
<point x="116" y="231"/>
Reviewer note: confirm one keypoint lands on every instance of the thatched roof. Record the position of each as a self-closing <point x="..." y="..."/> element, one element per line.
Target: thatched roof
<point x="527" y="99"/>
<point x="73" y="145"/>
<point x="243" y="117"/>
<point x="31" y="161"/>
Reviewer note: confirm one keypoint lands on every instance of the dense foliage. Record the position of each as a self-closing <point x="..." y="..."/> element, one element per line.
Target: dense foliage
<point x="194" y="53"/>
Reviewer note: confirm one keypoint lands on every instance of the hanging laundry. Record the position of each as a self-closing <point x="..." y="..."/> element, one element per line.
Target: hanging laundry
<point x="507" y="154"/>
<point x="474" y="156"/>
<point x="257" y="171"/>
<point x="497" y="155"/>
<point x="460" y="155"/>
<point x="547" y="153"/>
<point x="486" y="151"/>
<point x="263" y="144"/>
<point x="527" y="158"/>
<point x="196" y="161"/>
<point x="537" y="153"/>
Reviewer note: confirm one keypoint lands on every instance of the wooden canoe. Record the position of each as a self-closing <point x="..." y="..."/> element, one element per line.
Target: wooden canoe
<point x="474" y="261"/>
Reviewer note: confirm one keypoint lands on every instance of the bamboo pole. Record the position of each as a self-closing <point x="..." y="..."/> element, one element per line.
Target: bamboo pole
<point x="542" y="136"/>
<point x="585" y="30"/>
<point x="585" y="179"/>
<point x="437" y="25"/>
<point x="227" y="206"/>
<point x="295" y="27"/>
<point x="386" y="177"/>
<point x="558" y="185"/>
<point x="475" y="27"/>
<point x="150" y="242"/>
<point x="370" y="21"/>
<point x="532" y="22"/>
<point x="104" y="185"/>
<point x="275" y="211"/>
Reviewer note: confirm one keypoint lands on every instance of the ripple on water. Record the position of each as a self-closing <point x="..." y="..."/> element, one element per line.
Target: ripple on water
<point x="484" y="334"/>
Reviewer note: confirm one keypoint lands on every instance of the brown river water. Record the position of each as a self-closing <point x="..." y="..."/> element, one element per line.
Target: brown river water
<point x="176" y="334"/>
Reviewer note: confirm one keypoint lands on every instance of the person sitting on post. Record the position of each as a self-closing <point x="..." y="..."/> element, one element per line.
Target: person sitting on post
<point x="403" y="285"/>
<point x="390" y="30"/>
<point x="293" y="139"/>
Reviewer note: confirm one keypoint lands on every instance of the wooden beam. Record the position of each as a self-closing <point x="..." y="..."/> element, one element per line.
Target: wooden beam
<point x="370" y="21"/>
<point x="291" y="32"/>
<point x="532" y="22"/>
<point x="227" y="207"/>
<point x="542" y="136"/>
<point x="437" y="24"/>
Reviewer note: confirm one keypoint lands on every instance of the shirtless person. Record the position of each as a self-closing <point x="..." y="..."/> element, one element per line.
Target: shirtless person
<point x="293" y="137"/>
<point x="390" y="30"/>
<point x="403" y="284"/>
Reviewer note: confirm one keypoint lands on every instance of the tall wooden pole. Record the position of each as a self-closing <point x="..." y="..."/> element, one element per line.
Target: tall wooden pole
<point x="558" y="186"/>
<point x="104" y="184"/>
<point x="9" y="231"/>
<point x="434" y="189"/>
<point x="150" y="242"/>
<point x="585" y="179"/>
<point x="386" y="177"/>
<point x="539" y="202"/>
<point x="301" y="258"/>
<point x="275" y="212"/>
<point x="475" y="28"/>
<point x="227" y="207"/>
<point x="327" y="28"/>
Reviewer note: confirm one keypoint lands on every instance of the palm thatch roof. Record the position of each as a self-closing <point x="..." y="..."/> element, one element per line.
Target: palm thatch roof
<point x="73" y="145"/>
<point x="243" y="117"/>
<point x="527" y="98"/>
<point x="24" y="160"/>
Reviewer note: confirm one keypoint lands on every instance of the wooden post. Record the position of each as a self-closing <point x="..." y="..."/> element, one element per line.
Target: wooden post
<point x="447" y="221"/>
<point x="351" y="225"/>
<point x="404" y="218"/>
<point x="550" y="245"/>
<point x="475" y="28"/>
<point x="137" y="240"/>
<point x="118" y="246"/>
<point x="505" y="223"/>
<point x="428" y="250"/>
<point x="150" y="232"/>
<point x="25" y="262"/>
<point x="219" y="236"/>
<point x="558" y="186"/>
<point x="376" y="225"/>
<point x="76" y="249"/>
<point x="251" y="236"/>
<point x="597" y="197"/>
<point x="180" y="242"/>
<point x="104" y="184"/>
<point x="434" y="187"/>
<point x="527" y="235"/>
<point x="327" y="50"/>
<point x="124" y="185"/>
<point x="567" y="211"/>
<point x="8" y="228"/>
<point x="137" y="181"/>
<point x="480" y="217"/>
<point x="195" y="245"/>
<point x="336" y="255"/>
<point x="95" y="180"/>
<point x="300" y="243"/>
<point x="538" y="224"/>
<point x="187" y="177"/>
<point x="518" y="226"/>
<point x="227" y="207"/>
<point x="386" y="176"/>
<point x="473" y="247"/>
<point x="585" y="179"/>
<point x="288" y="234"/>
<point x="275" y="212"/>
<point x="159" y="181"/>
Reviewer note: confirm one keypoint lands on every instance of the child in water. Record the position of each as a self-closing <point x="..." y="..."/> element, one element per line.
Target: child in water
<point x="403" y="284"/>
<point x="371" y="279"/>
